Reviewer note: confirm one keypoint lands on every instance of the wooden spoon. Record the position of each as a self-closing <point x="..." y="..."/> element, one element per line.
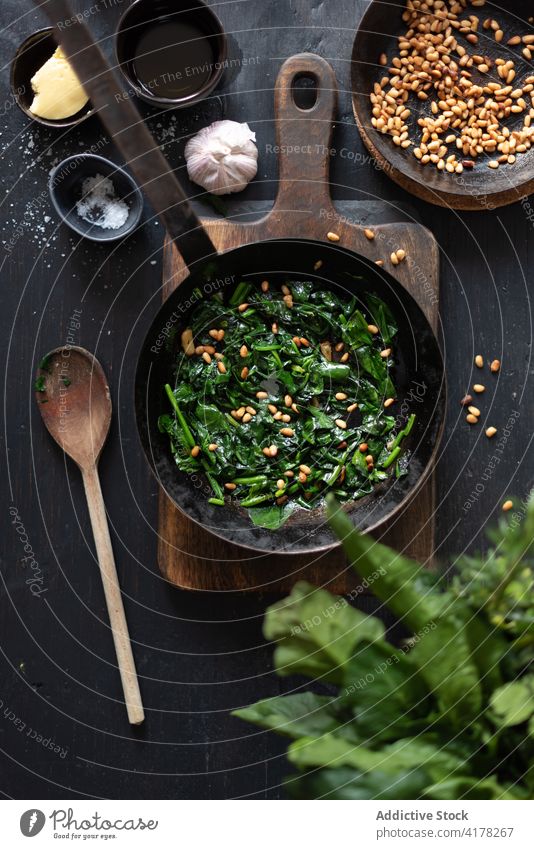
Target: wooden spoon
<point x="74" y="402"/>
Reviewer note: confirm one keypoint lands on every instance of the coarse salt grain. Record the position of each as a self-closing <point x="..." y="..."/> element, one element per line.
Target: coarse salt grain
<point x="99" y="205"/>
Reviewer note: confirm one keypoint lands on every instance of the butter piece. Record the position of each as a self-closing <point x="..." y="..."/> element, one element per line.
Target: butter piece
<point x="58" y="91"/>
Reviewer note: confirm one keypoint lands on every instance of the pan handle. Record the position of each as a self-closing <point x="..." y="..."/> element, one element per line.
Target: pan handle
<point x="129" y="132"/>
<point x="304" y="135"/>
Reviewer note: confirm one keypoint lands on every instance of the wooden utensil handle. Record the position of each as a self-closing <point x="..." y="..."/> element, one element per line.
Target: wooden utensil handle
<point x="304" y="135"/>
<point x="119" y="628"/>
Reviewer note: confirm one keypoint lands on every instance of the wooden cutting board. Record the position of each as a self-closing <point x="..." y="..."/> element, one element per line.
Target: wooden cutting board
<point x="192" y="558"/>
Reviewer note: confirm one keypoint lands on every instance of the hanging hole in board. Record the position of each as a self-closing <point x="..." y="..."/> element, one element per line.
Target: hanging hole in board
<point x="304" y="90"/>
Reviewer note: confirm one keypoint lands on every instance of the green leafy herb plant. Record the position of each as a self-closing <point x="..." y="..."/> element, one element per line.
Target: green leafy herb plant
<point x="447" y="715"/>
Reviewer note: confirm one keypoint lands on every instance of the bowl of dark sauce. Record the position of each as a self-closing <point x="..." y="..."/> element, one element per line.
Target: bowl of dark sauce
<point x="172" y="53"/>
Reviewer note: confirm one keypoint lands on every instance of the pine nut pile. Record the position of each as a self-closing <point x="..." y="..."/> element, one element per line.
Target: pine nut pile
<point x="471" y="95"/>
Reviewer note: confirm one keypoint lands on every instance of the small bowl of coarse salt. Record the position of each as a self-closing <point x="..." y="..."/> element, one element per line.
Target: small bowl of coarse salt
<point x="95" y="197"/>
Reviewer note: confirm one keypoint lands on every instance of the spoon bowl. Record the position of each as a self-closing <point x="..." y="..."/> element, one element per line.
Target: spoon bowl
<point x="74" y="402"/>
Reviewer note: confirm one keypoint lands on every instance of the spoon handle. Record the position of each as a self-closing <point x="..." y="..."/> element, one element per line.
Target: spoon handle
<point x="110" y="580"/>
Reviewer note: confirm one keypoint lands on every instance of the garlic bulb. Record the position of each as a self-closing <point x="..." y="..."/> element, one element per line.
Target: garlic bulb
<point x="222" y="158"/>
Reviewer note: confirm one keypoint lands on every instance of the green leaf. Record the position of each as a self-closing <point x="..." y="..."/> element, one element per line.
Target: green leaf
<point x="513" y="703"/>
<point x="271" y="517"/>
<point x="385" y="691"/>
<point x="212" y="417"/>
<point x="470" y="787"/>
<point x="345" y="783"/>
<point x="409" y="753"/>
<point x="301" y="714"/>
<point x="442" y="651"/>
<point x="444" y="658"/>
<point x="317" y="632"/>
<point x="401" y="583"/>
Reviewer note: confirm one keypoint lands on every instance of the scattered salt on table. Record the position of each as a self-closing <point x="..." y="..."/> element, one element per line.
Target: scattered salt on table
<point x="100" y="205"/>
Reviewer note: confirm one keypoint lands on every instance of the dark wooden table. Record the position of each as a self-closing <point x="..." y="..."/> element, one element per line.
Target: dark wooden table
<point x="63" y="731"/>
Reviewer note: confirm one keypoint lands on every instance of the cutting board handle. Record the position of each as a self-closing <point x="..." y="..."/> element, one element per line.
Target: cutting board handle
<point x="303" y="136"/>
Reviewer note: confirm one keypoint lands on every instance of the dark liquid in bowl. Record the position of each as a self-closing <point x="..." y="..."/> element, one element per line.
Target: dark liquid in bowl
<point x="173" y="59"/>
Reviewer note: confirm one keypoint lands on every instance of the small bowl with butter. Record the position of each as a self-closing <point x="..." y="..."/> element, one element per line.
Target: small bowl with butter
<point x="44" y="84"/>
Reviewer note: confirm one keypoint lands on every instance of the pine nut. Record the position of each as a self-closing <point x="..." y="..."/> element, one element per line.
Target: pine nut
<point x="369" y="234"/>
<point x="246" y="418"/>
<point x="273" y="450"/>
<point x="278" y="415"/>
<point x="339" y="347"/>
<point x="478" y="387"/>
<point x="302" y="477"/>
<point x="388" y="402"/>
<point x="214" y="334"/>
<point x="243" y="351"/>
<point x="274" y="328"/>
<point x="471" y="419"/>
<point x="288" y="301"/>
<point x="206" y="357"/>
<point x="385" y="353"/>
<point x="351" y="408"/>
<point x="244" y="373"/>
<point x="394" y="258"/>
<point x="220" y="365"/>
<point x="288" y="400"/>
<point x="341" y="424"/>
<point x="345" y="357"/>
<point x="474" y="411"/>
<point x="305" y="469"/>
<point x="372" y="328"/>
<point x="280" y="483"/>
<point x="285" y="418"/>
<point x="212" y="446"/>
<point x="479" y="361"/>
<point x="272" y="409"/>
<point x="491" y="431"/>
<point x="318" y="265"/>
<point x="261" y="395"/>
<point x="230" y="486"/>
<point x="507" y="505"/>
<point x="287" y="431"/>
<point x="289" y="474"/>
<point x="251" y="410"/>
<point x="332" y="237"/>
<point x="243" y="307"/>
<point x="240" y="412"/>
<point x="265" y="286"/>
<point x="195" y="451"/>
<point x="495" y="366"/>
<point x="363" y="448"/>
<point x="187" y="342"/>
<point x="340" y="396"/>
